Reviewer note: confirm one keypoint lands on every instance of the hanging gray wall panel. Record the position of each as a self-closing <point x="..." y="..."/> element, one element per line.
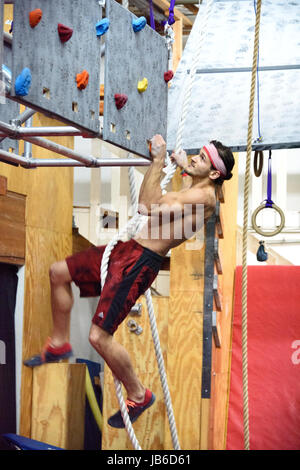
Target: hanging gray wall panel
<point x="129" y="57"/>
<point x="219" y="105"/>
<point x="9" y="109"/>
<point x="54" y="65"/>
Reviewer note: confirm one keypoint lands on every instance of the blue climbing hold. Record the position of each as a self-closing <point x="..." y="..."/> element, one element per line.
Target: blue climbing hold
<point x="102" y="26"/>
<point x="23" y="82"/>
<point x="139" y="24"/>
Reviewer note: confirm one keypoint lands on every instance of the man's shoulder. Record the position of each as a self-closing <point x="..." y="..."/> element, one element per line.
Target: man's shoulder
<point x="196" y="195"/>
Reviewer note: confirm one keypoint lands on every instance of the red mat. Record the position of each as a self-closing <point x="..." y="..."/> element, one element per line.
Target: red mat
<point x="273" y="360"/>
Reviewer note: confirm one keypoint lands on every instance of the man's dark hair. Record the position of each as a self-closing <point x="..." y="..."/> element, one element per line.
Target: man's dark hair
<point x="228" y="159"/>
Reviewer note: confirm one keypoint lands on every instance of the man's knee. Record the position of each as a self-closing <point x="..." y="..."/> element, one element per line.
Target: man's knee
<point x="59" y="273"/>
<point x="99" y="338"/>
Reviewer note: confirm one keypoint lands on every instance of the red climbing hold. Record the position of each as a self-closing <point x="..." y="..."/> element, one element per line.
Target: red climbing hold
<point x="168" y="75"/>
<point x="82" y="80"/>
<point x="120" y="100"/>
<point x="65" y="33"/>
<point x="35" y="17"/>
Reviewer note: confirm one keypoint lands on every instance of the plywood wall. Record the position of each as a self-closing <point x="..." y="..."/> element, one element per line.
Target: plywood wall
<point x="49" y="203"/>
<point x="149" y="428"/>
<point x="48" y="220"/>
<point x="221" y="356"/>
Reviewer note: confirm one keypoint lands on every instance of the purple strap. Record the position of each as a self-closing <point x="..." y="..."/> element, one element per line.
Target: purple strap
<point x="269" y="202"/>
<point x="152" y="21"/>
<point x="171" y="19"/>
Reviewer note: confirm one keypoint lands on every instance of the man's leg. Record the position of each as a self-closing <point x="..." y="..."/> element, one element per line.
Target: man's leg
<point x="61" y="302"/>
<point x="118" y="361"/>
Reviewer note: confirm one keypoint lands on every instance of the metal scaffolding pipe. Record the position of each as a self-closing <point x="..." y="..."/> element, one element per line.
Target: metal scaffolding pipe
<point x="60" y="149"/>
<point x="99" y="162"/>
<point x="11" y="157"/>
<point x="27" y="114"/>
<point x="15" y="133"/>
<point x="49" y="131"/>
<point x="88" y="161"/>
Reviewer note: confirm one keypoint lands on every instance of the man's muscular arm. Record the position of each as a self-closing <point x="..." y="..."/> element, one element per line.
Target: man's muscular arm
<point x="181" y="160"/>
<point x="150" y="191"/>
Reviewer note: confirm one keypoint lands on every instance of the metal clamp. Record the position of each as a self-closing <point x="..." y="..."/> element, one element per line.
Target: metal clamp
<point x="134" y="327"/>
<point x="136" y="310"/>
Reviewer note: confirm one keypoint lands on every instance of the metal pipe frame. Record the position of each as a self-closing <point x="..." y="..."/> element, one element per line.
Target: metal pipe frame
<point x="17" y="132"/>
<point x="11" y="157"/>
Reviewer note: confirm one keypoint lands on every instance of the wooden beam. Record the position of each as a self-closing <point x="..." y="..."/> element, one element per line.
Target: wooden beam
<point x="58" y="407"/>
<point x="3" y="185"/>
<point x="177" y="45"/>
<point x="12" y="228"/>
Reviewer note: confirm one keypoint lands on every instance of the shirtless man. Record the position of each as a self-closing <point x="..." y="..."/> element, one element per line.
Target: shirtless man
<point x="134" y="264"/>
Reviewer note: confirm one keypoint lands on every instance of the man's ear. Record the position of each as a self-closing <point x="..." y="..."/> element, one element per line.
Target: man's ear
<point x="214" y="174"/>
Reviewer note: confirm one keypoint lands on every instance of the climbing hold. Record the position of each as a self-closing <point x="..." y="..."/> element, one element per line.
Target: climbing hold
<point x="120" y="100"/>
<point x="102" y="26"/>
<point x="35" y="17"/>
<point x="23" y="82"/>
<point x="142" y="85"/>
<point x="139" y="23"/>
<point x="82" y="79"/>
<point x="261" y="254"/>
<point x="65" y="33"/>
<point x="168" y="75"/>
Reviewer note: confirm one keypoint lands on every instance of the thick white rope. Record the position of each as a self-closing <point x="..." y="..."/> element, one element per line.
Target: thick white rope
<point x="132" y="227"/>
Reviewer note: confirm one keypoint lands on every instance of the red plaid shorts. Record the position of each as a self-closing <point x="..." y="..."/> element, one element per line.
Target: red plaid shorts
<point x="131" y="270"/>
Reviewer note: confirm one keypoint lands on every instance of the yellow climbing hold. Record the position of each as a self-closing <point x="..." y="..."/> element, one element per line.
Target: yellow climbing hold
<point x="142" y="85"/>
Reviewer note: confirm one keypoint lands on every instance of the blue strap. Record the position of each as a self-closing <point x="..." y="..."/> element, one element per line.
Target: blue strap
<point x="152" y="21"/>
<point x="269" y="202"/>
<point x="171" y="19"/>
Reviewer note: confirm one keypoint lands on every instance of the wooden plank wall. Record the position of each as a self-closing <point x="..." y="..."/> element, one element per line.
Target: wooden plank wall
<point x="221" y="356"/>
<point x="59" y="405"/>
<point x="149" y="428"/>
<point x="48" y="220"/>
<point x="49" y="205"/>
<point x="185" y="336"/>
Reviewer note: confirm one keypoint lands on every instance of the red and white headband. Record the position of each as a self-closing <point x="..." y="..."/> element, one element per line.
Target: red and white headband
<point x="215" y="159"/>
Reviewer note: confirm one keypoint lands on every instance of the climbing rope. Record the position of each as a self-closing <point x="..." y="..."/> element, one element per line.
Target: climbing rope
<point x="131" y="228"/>
<point x="245" y="234"/>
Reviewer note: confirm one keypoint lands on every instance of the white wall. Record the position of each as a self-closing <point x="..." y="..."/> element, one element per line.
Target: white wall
<point x="285" y="193"/>
<point x="19" y="313"/>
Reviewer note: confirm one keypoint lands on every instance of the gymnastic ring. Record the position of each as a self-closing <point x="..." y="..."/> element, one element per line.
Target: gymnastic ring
<point x="261" y="232"/>
<point x="258" y="157"/>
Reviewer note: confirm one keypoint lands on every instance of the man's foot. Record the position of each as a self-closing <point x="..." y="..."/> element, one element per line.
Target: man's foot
<point x="50" y="354"/>
<point x="134" y="410"/>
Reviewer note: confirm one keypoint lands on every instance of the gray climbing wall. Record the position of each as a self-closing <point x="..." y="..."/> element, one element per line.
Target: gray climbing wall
<point x="1" y="33"/>
<point x="8" y="109"/>
<point x="54" y="65"/>
<point x="220" y="96"/>
<point x="129" y="57"/>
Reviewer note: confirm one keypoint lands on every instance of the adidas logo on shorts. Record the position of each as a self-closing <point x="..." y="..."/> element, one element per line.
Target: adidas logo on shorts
<point x="101" y="315"/>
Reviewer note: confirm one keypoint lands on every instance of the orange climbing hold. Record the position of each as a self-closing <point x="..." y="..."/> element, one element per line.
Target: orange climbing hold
<point x="35" y="17"/>
<point x="82" y="80"/>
